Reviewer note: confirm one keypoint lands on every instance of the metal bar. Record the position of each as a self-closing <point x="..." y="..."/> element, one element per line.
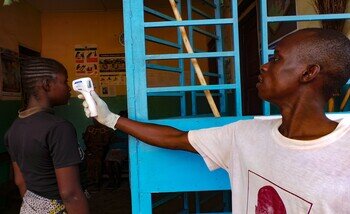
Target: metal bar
<point x="133" y="55"/>
<point x="316" y="17"/>
<point x="220" y="60"/>
<point x="210" y="3"/>
<point x="192" y="72"/>
<point x="165" y="94"/>
<point x="196" y="50"/>
<point x="226" y="199"/>
<point x="235" y="34"/>
<point x="264" y="44"/>
<point x="209" y="74"/>
<point x="182" y="66"/>
<point x="198" y="205"/>
<point x="165" y="199"/>
<point x="191" y="88"/>
<point x="185" y="203"/>
<point x="161" y="41"/>
<point x="204" y="32"/>
<point x="190" y="123"/>
<point x="199" y="12"/>
<point x="163" y="68"/>
<point x="214" y="94"/>
<point x="192" y="55"/>
<point x="208" y="197"/>
<point x="157" y="14"/>
<point x="225" y="21"/>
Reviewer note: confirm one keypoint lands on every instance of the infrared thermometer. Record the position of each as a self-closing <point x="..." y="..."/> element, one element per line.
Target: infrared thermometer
<point x="84" y="86"/>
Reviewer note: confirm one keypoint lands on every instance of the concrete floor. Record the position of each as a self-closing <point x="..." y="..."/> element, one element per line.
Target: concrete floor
<point x="112" y="201"/>
<point x="118" y="201"/>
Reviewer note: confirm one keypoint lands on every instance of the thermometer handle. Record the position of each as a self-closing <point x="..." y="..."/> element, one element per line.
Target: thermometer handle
<point x="91" y="102"/>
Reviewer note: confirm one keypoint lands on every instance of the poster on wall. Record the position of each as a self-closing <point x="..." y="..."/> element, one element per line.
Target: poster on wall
<point x="110" y="82"/>
<point x="10" y="79"/>
<point x="86" y="60"/>
<point x="112" y="63"/>
<point x="112" y="73"/>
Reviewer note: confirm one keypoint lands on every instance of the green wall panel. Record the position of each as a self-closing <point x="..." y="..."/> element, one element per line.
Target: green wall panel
<point x="9" y="111"/>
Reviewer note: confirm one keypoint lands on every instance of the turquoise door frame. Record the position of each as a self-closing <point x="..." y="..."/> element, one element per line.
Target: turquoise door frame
<point x="156" y="170"/>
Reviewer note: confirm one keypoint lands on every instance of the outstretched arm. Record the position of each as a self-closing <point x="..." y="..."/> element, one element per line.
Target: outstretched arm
<point x="156" y="135"/>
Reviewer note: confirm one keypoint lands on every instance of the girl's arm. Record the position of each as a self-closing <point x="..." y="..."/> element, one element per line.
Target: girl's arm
<point x="19" y="180"/>
<point x="70" y="190"/>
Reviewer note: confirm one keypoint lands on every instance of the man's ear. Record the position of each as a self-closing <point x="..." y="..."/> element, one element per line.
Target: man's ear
<point x="310" y="73"/>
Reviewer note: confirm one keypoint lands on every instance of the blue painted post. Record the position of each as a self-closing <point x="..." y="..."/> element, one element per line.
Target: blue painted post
<point x="135" y="55"/>
<point x="264" y="43"/>
<point x="182" y="67"/>
<point x="235" y="33"/>
<point x="220" y="60"/>
<point x="145" y="203"/>
<point x="192" y="73"/>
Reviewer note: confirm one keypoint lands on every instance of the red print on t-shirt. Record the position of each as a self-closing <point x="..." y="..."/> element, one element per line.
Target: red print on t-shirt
<point x="269" y="202"/>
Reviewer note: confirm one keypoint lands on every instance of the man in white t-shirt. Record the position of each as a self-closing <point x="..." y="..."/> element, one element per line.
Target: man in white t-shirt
<point x="297" y="164"/>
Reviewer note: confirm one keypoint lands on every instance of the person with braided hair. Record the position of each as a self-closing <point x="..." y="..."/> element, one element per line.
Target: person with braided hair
<point x="44" y="147"/>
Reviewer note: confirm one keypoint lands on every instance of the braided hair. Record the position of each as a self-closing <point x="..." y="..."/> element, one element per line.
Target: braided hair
<point x="35" y="70"/>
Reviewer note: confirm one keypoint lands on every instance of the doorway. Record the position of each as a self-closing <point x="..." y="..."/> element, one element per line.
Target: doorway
<point x="250" y="60"/>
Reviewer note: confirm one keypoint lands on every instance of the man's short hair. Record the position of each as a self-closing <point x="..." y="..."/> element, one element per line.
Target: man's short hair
<point x="330" y="50"/>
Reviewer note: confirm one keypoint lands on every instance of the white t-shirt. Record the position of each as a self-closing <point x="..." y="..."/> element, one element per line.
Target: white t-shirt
<point x="270" y="173"/>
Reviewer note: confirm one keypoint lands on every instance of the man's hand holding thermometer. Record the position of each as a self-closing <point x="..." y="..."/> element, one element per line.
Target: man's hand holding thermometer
<point x="85" y="86"/>
<point x="94" y="106"/>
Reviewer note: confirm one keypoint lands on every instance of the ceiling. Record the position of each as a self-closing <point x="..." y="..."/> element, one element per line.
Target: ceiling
<point x="87" y="5"/>
<point x="76" y="5"/>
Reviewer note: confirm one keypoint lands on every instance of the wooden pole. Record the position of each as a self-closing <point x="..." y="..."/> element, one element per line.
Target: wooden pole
<point x="194" y="61"/>
<point x="331" y="105"/>
<point x="345" y="100"/>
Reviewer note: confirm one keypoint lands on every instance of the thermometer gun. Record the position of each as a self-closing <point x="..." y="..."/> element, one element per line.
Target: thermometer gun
<point x="85" y="86"/>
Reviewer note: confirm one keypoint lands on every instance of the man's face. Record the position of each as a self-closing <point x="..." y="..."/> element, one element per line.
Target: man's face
<point x="59" y="93"/>
<point x="279" y="78"/>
